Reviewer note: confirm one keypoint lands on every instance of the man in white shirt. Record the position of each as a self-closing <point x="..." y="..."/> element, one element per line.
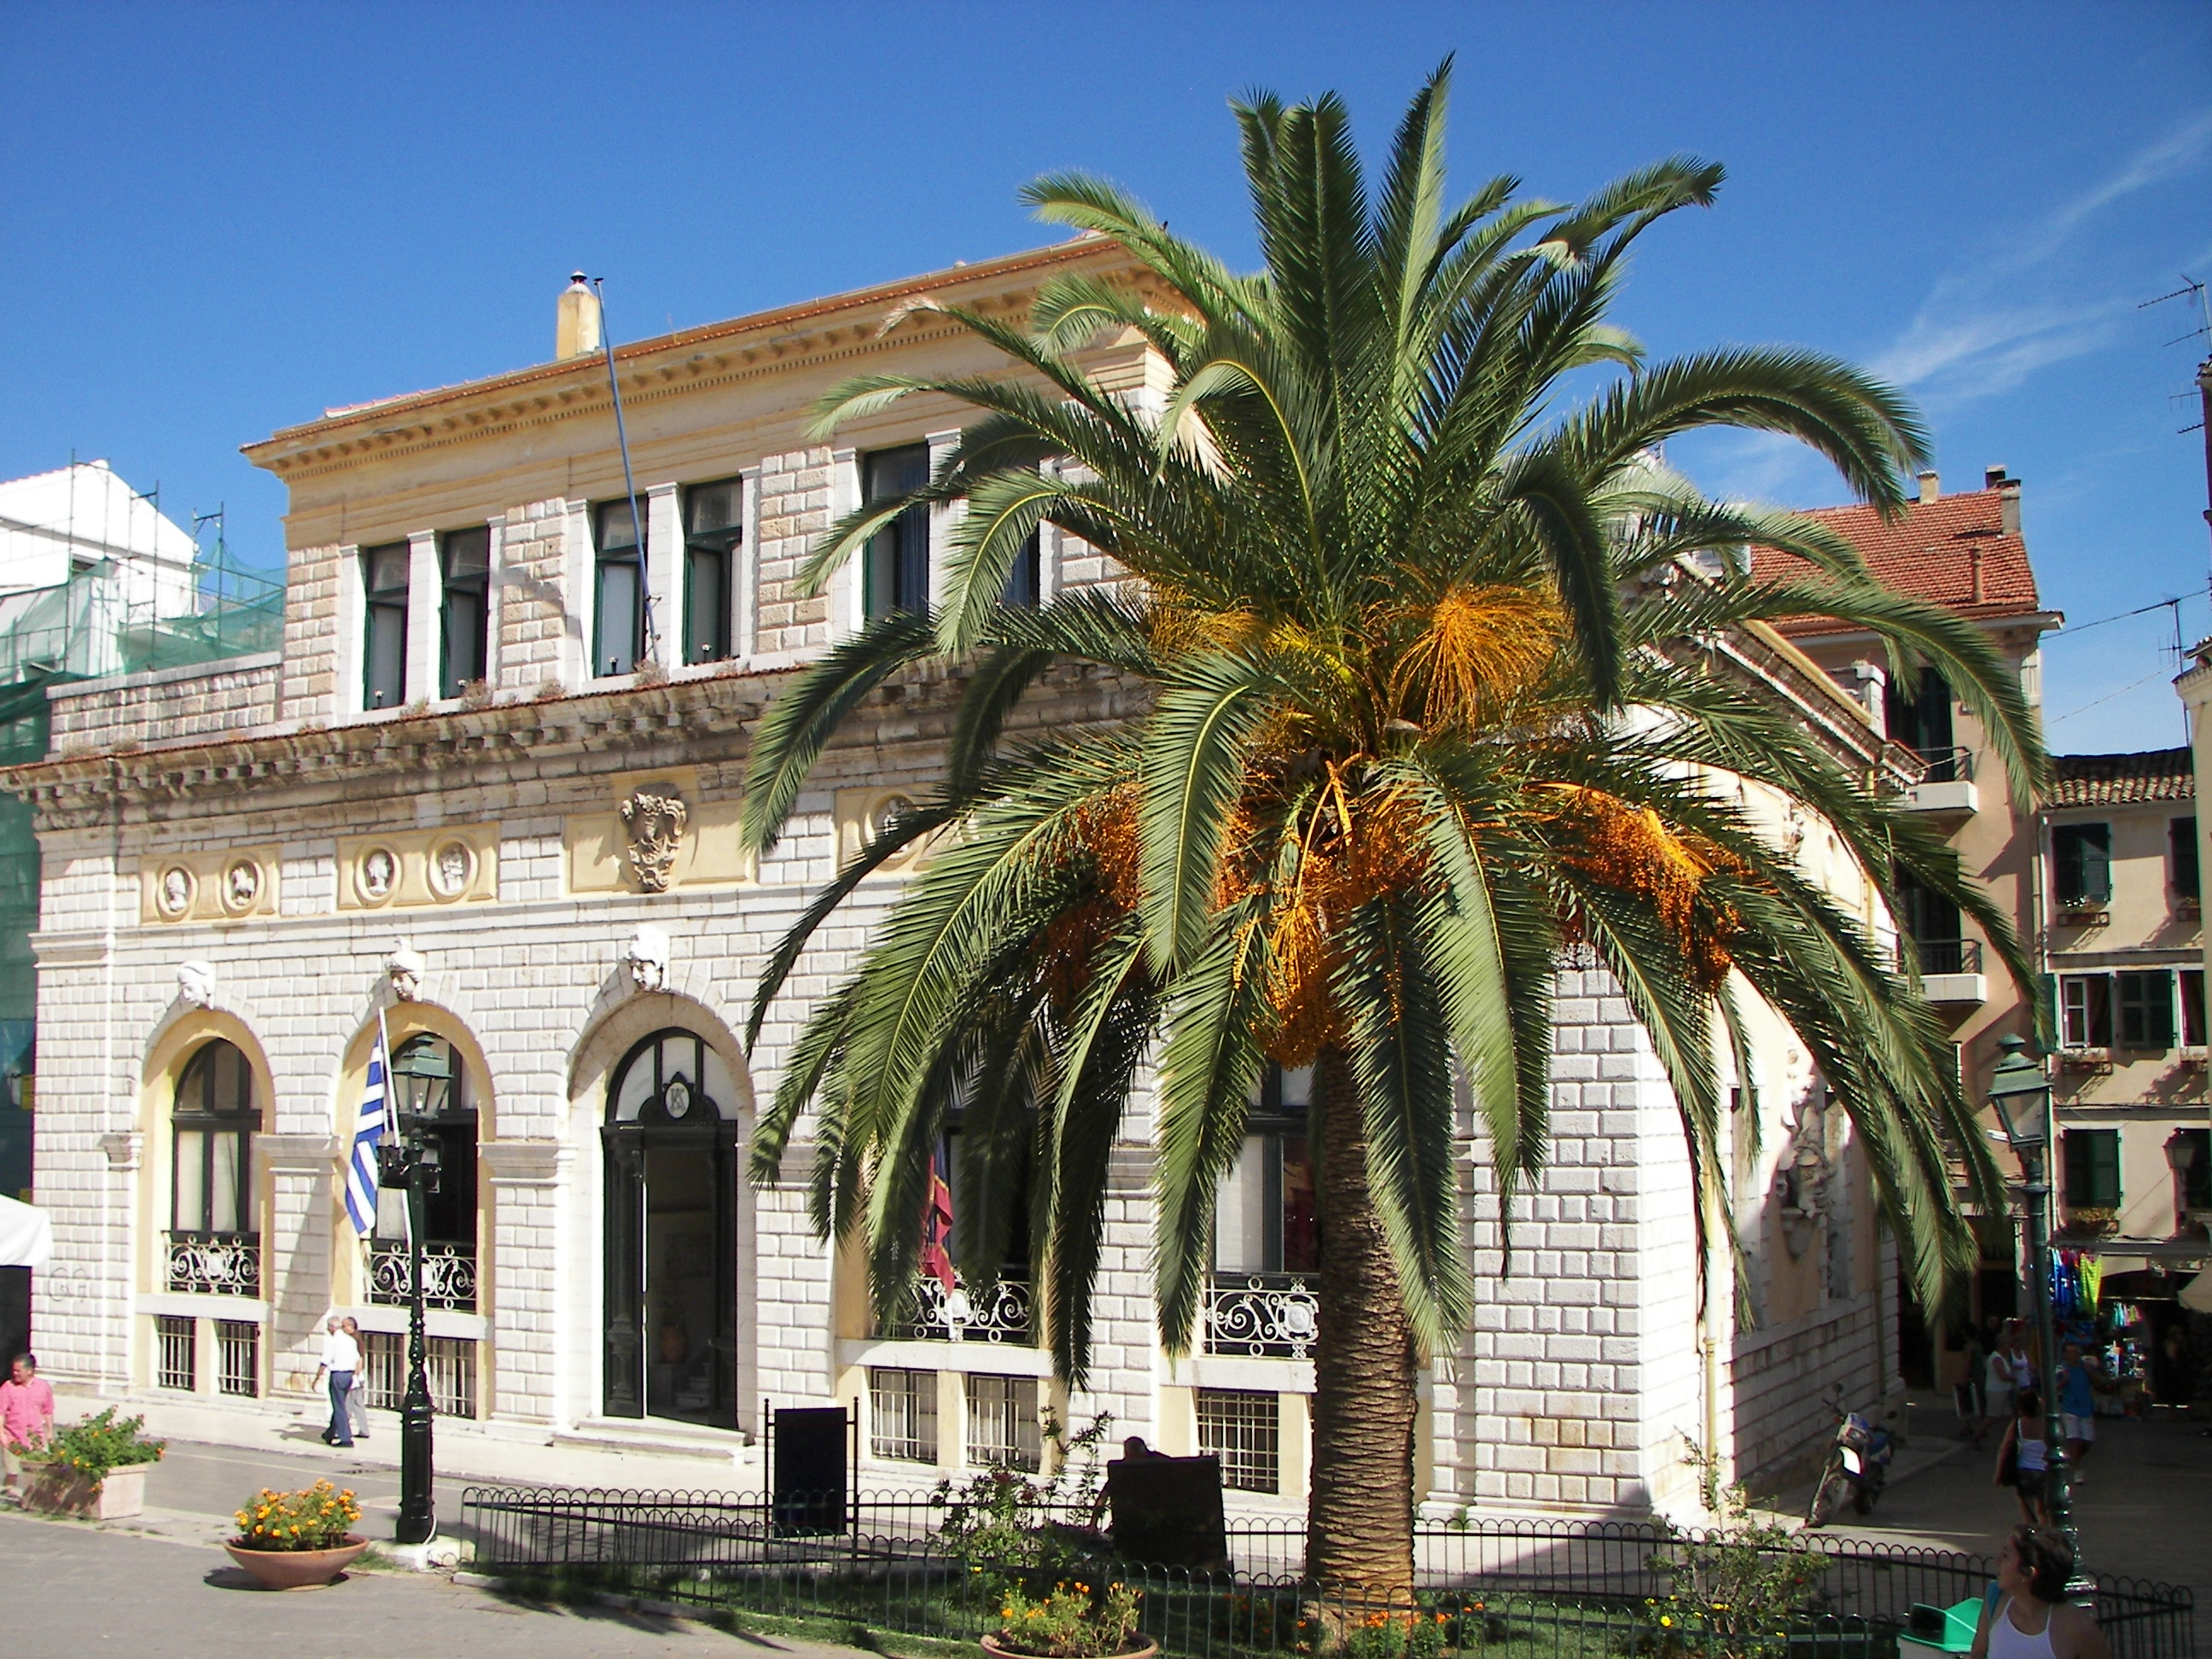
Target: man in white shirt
<point x="341" y="1359"/>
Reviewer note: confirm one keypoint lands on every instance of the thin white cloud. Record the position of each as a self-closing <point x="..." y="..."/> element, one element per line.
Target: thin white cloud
<point x="1975" y="336"/>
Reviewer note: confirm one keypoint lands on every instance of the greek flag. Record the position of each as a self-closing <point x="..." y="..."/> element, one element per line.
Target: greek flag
<point x="368" y="1130"/>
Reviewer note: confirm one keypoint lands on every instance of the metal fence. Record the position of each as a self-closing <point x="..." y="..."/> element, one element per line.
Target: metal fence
<point x="1548" y="1589"/>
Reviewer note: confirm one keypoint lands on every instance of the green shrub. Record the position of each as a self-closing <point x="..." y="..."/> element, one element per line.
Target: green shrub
<point x="997" y="1518"/>
<point x="1070" y="1622"/>
<point x="100" y="1443"/>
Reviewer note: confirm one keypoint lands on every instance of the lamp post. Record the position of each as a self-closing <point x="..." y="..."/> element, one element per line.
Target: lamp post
<point x="2021" y="1094"/>
<point x="421" y="1080"/>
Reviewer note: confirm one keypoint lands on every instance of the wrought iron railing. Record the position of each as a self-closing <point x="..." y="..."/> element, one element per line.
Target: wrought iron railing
<point x="1550" y="1588"/>
<point x="215" y="1264"/>
<point x="1002" y="1312"/>
<point x="1953" y="765"/>
<point x="449" y="1276"/>
<point x="1948" y="956"/>
<point x="1261" y="1316"/>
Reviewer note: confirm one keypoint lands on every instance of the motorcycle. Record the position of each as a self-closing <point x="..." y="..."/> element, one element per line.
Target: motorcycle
<point x="1857" y="1466"/>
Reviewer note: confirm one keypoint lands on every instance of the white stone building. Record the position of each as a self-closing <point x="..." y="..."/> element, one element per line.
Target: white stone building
<point x="446" y="804"/>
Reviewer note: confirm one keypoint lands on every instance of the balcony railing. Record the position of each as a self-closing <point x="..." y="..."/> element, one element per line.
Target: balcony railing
<point x="1948" y="956"/>
<point x="1001" y="1314"/>
<point x="1261" y="1316"/>
<point x="215" y="1264"/>
<point x="1947" y="765"/>
<point x="449" y="1276"/>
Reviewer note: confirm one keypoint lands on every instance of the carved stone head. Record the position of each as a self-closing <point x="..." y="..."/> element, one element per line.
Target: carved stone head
<point x="196" y="983"/>
<point x="649" y="958"/>
<point x="406" y="968"/>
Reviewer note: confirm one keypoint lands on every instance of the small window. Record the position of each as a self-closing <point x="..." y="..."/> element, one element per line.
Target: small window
<point x="176" y="1356"/>
<point x="1922" y="722"/>
<point x="2093" y="1169"/>
<point x="2193" y="1169"/>
<point x="2192" y="1007"/>
<point x="896" y="575"/>
<point x="2081" y="863"/>
<point x="620" y="533"/>
<point x="2084" y="1011"/>
<point x="1002" y="1424"/>
<point x="449" y="1366"/>
<point x="1244" y="1430"/>
<point x="1025" y="582"/>
<point x="465" y="558"/>
<point x="384" y="646"/>
<point x="902" y="1415"/>
<point x="238" y="1357"/>
<point x="714" y="526"/>
<point x="2146" y="1009"/>
<point x="2181" y="856"/>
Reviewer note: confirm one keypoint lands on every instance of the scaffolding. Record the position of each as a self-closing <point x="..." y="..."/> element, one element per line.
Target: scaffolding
<point x="110" y="615"/>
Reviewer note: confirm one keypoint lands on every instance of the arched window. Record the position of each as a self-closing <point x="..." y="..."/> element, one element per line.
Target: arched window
<point x="671" y="1137"/>
<point x="431" y="1087"/>
<point x="214" y="1236"/>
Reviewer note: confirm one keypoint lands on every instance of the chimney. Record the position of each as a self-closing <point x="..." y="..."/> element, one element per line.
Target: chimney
<point x="1931" y="486"/>
<point x="2008" y="507"/>
<point x="1974" y="565"/>
<point x="576" y="326"/>
<point x="1992" y="476"/>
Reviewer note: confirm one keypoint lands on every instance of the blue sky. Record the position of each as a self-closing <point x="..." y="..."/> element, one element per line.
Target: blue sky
<point x="217" y="220"/>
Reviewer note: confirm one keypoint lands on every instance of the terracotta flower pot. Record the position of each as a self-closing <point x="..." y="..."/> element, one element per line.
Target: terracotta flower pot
<point x="282" y="1570"/>
<point x="999" y="1650"/>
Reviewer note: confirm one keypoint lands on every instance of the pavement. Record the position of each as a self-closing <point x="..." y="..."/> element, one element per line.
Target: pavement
<point x="73" y="1590"/>
<point x="2141" y="1512"/>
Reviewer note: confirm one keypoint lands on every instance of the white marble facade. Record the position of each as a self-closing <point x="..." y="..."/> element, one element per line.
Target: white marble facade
<point x="251" y="826"/>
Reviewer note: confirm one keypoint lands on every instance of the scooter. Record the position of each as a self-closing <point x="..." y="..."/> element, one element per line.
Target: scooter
<point x="1857" y="1466"/>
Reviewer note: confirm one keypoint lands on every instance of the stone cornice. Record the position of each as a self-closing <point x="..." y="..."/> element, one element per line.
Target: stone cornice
<point x="524" y="1163"/>
<point x="821" y="331"/>
<point x="638" y="726"/>
<point x="296" y="1154"/>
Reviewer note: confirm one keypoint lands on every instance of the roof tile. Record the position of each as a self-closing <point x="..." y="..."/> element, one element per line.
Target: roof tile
<point x="1952" y="550"/>
<point x="2121" y="780"/>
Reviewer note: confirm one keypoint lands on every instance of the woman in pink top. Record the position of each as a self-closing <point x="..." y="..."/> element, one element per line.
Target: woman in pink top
<point x="26" y="1417"/>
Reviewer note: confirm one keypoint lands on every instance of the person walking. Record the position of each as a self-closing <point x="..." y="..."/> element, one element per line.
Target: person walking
<point x="357" y="1395"/>
<point x="27" y="1420"/>
<point x="2024" y="1459"/>
<point x="1967" y="1396"/>
<point x="341" y="1363"/>
<point x="2028" y="1615"/>
<point x="2077" y="1407"/>
<point x="1997" y="1392"/>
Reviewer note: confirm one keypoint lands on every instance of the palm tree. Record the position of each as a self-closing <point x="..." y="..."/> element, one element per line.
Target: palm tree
<point x="1435" y="690"/>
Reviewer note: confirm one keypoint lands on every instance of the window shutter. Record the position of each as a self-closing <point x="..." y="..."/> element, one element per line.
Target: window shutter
<point x="2104" y="1154"/>
<point x="2097" y="862"/>
<point x="2066" y="862"/>
<point x="2158" y="1024"/>
<point x="2049" y="1005"/>
<point x="2181" y="839"/>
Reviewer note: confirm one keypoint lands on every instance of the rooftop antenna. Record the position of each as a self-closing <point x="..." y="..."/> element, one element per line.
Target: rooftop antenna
<point x="2194" y="290"/>
<point x="629" y="483"/>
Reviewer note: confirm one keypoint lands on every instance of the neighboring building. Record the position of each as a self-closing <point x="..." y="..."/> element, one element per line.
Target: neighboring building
<point x="93" y="580"/>
<point x="2125" y="950"/>
<point x="1965" y="551"/>
<point x="487" y="794"/>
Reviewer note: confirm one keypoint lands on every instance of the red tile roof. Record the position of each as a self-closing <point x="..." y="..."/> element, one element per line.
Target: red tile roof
<point x="2119" y="780"/>
<point x="1953" y="551"/>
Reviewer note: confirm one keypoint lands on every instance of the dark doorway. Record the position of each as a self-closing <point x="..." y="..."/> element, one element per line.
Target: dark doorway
<point x="670" y="1140"/>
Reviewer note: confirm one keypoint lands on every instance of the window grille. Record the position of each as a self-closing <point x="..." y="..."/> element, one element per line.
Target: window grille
<point x="1244" y="1430"/>
<point x="449" y="1364"/>
<point x="238" y="1357"/>
<point x="1002" y="1423"/>
<point x="176" y="1354"/>
<point x="902" y="1415"/>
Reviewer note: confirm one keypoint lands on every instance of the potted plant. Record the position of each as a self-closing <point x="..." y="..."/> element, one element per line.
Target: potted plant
<point x="1070" y="1623"/>
<point x="95" y="1469"/>
<point x="291" y="1540"/>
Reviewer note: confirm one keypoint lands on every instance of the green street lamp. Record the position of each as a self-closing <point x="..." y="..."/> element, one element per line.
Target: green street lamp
<point x="2021" y="1091"/>
<point x="422" y="1080"/>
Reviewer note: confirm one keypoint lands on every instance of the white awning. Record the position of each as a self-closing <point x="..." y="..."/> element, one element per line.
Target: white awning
<point x="27" y="1237"/>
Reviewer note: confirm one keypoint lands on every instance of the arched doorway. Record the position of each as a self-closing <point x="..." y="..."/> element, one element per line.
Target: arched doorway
<point x="671" y="1137"/>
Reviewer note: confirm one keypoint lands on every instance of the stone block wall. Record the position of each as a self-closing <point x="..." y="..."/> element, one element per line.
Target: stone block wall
<point x="166" y="704"/>
<point x="795" y="497"/>
<point x="541" y="623"/>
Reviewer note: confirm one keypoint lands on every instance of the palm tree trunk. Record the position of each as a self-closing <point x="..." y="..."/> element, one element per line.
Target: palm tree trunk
<point x="1359" y="1513"/>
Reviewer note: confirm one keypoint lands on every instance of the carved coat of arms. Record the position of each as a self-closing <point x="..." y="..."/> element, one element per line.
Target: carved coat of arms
<point x="656" y="831"/>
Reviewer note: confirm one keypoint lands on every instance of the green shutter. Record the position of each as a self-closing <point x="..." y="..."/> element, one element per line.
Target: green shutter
<point x="2097" y="862"/>
<point x="2093" y="1169"/>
